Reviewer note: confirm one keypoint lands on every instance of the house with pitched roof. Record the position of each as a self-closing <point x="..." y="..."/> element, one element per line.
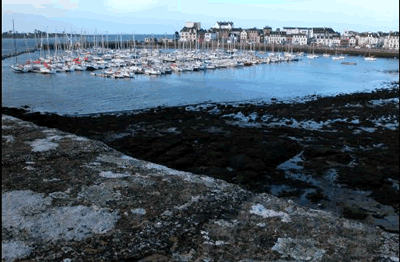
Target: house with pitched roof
<point x="234" y="34"/>
<point x="255" y="35"/>
<point x="368" y="39"/>
<point x="391" y="41"/>
<point x="297" y="30"/>
<point x="348" y="33"/>
<point x="201" y="35"/>
<point x="352" y="41"/>
<point x="223" y="25"/>
<point x="322" y="31"/>
<point x="210" y="35"/>
<point x="190" y="31"/>
<point x="188" y="34"/>
<point x="267" y="30"/>
<point x="276" y="37"/>
<point x="323" y="36"/>
<point x="348" y="38"/>
<point x="324" y="40"/>
<point x="223" y="34"/>
<point x="243" y="36"/>
<point x="299" y="39"/>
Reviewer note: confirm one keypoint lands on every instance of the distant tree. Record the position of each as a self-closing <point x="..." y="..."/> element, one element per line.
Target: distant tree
<point x="176" y="36"/>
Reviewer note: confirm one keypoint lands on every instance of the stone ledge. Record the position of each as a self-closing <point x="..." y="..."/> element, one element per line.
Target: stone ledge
<point x="68" y="198"/>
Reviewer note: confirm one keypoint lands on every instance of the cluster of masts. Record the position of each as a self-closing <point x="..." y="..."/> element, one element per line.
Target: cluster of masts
<point x="122" y="63"/>
<point x="128" y="62"/>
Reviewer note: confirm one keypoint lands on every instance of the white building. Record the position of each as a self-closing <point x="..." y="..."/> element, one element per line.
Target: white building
<point x="223" y="25"/>
<point x="297" y="30"/>
<point x="368" y="39"/>
<point x="347" y="33"/>
<point x="299" y="39"/>
<point x="243" y="36"/>
<point x="327" y="40"/>
<point x="210" y="35"/>
<point x="352" y="41"/>
<point x="349" y="36"/>
<point x="322" y="31"/>
<point x="276" y="37"/>
<point x="188" y="34"/>
<point x="392" y="41"/>
<point x="190" y="31"/>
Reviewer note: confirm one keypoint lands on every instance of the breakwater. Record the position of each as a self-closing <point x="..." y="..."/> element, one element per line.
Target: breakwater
<point x="18" y="53"/>
<point x="383" y="53"/>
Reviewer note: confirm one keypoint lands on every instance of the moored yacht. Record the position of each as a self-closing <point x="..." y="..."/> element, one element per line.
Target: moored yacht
<point x="338" y="57"/>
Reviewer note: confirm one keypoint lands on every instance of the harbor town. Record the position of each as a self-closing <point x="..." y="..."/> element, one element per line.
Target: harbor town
<point x="225" y="32"/>
<point x="221" y="46"/>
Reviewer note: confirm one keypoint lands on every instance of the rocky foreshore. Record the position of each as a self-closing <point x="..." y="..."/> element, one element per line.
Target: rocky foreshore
<point x="315" y="180"/>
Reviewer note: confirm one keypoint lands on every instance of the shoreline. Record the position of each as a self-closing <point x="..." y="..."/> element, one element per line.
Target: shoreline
<point x="300" y="151"/>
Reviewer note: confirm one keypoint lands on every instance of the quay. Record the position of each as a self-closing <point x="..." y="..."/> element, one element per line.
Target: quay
<point x="18" y="53"/>
<point x="382" y="53"/>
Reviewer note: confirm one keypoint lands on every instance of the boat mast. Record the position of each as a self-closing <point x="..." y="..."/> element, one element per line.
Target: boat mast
<point x="27" y="48"/>
<point x="72" y="44"/>
<point x="41" y="46"/>
<point x="95" y="41"/>
<point x="15" y="44"/>
<point x="107" y="39"/>
<point x="55" y="43"/>
<point x="48" y="43"/>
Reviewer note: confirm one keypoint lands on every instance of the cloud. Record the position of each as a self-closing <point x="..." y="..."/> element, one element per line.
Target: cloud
<point x="42" y="4"/>
<point x="47" y="8"/>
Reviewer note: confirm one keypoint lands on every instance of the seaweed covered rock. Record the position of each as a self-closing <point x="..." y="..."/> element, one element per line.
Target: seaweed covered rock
<point x="69" y="198"/>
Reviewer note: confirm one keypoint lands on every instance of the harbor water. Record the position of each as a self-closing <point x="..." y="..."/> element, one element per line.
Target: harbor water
<point x="81" y="93"/>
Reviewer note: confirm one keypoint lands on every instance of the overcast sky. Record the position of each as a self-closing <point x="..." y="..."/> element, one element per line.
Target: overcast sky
<point x="168" y="16"/>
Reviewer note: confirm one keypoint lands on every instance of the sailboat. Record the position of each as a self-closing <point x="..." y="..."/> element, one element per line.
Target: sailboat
<point x="369" y="57"/>
<point x="326" y="54"/>
<point x="17" y="67"/>
<point x="337" y="57"/>
<point x="312" y="56"/>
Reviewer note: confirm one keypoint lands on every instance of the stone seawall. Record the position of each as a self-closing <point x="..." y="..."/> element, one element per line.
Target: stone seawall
<point x="383" y="53"/>
<point x="69" y="198"/>
<point x="17" y="54"/>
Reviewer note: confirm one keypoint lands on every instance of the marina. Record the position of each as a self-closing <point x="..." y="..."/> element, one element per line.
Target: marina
<point x="127" y="62"/>
<point x="144" y="79"/>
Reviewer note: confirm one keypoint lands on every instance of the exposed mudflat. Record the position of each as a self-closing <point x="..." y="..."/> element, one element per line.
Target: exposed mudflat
<point x="339" y="154"/>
